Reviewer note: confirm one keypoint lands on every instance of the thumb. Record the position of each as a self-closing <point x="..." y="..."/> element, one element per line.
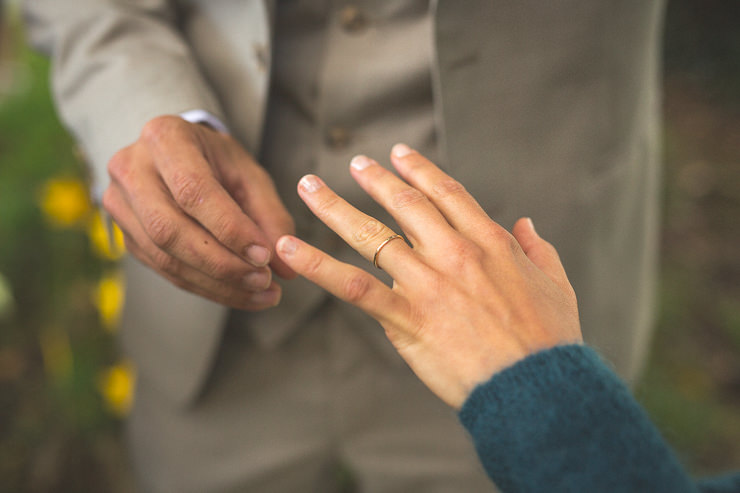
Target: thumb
<point x="275" y="221"/>
<point x="540" y="252"/>
<point x="275" y="230"/>
<point x="260" y="201"/>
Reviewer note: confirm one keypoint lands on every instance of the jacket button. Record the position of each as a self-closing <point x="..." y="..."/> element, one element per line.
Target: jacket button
<point x="261" y="55"/>
<point x="352" y="19"/>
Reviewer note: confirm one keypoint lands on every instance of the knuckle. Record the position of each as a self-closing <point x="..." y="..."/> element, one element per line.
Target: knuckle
<point x="226" y="230"/>
<point x="118" y="164"/>
<point x="218" y="268"/>
<point x="407" y="197"/>
<point x="323" y="209"/>
<point x="161" y="231"/>
<point x="356" y="287"/>
<point x="157" y="128"/>
<point x="501" y="240"/>
<point x="108" y="201"/>
<point x="465" y="251"/>
<point x="168" y="264"/>
<point x="448" y="187"/>
<point x="370" y="229"/>
<point x="313" y="265"/>
<point x="187" y="189"/>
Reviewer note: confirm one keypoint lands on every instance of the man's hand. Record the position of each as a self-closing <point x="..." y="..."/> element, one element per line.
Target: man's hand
<point x="195" y="207"/>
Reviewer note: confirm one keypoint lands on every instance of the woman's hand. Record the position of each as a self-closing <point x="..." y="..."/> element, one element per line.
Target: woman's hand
<point x="468" y="300"/>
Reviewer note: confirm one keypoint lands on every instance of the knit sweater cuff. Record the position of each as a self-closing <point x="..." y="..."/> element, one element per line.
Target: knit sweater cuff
<point x="560" y="420"/>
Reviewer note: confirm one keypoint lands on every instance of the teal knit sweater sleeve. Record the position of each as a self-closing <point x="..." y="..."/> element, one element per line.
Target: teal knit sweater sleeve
<point x="560" y="420"/>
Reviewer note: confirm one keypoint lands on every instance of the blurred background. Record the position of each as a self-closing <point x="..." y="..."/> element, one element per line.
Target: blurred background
<point x="64" y="390"/>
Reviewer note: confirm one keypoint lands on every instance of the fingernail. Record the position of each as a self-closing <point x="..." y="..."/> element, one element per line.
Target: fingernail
<point x="271" y="297"/>
<point x="360" y="162"/>
<point x="310" y="183"/>
<point x="287" y="245"/>
<point x="257" y="255"/>
<point x="259" y="280"/>
<point x="531" y="225"/>
<point x="401" y="150"/>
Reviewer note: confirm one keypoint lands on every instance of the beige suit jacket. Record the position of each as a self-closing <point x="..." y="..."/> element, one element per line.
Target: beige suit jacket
<point x="546" y="109"/>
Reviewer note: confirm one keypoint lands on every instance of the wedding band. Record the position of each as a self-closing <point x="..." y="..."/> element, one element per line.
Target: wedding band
<point x="380" y="247"/>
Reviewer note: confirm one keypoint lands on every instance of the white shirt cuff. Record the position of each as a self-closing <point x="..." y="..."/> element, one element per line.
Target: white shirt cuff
<point x="202" y="116"/>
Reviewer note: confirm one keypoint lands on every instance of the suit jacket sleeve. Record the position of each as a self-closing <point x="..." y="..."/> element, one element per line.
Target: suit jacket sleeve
<point x="115" y="65"/>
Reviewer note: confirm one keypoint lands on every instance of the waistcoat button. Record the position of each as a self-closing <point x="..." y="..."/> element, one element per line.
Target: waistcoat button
<point x="352" y="19"/>
<point x="337" y="137"/>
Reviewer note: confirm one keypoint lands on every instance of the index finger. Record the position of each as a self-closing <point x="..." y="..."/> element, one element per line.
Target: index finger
<point x="347" y="282"/>
<point x="192" y="183"/>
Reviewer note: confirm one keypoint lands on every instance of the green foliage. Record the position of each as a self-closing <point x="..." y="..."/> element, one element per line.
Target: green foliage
<point x="56" y="432"/>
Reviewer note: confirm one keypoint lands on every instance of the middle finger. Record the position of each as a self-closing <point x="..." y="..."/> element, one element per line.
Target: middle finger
<point x="362" y="232"/>
<point x="420" y="220"/>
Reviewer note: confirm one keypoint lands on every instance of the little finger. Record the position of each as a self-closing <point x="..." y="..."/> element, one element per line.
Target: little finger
<point x="221" y="292"/>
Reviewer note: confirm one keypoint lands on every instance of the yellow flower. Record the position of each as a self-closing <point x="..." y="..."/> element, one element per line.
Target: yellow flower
<point x="106" y="243"/>
<point x="117" y="384"/>
<point x="109" y="298"/>
<point x="64" y="201"/>
<point x="6" y="298"/>
<point x="57" y="354"/>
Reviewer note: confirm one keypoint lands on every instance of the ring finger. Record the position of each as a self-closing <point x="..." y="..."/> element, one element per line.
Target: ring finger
<point x="221" y="292"/>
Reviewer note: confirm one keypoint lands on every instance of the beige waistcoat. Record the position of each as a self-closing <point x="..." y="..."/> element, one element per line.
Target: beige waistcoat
<point x="545" y="109"/>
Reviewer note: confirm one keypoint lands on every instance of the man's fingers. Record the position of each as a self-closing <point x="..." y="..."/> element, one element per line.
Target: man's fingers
<point x="189" y="279"/>
<point x="362" y="232"/>
<point x="193" y="184"/>
<point x="154" y="214"/>
<point x="243" y="279"/>
<point x="346" y="282"/>
<point x="460" y="209"/>
<point x="256" y="194"/>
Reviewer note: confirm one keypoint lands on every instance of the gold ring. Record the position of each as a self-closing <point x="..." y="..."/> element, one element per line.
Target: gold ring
<point x="380" y="247"/>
